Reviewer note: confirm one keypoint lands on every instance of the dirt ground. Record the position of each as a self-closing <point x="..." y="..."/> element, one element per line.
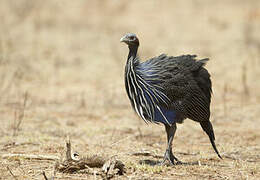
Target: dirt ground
<point x="62" y="70"/>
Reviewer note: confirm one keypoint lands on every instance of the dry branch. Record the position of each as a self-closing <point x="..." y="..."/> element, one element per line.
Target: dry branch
<point x="244" y="81"/>
<point x="143" y="153"/>
<point x="44" y="175"/>
<point x="113" y="166"/>
<point x="19" y="115"/>
<point x="11" y="173"/>
<point x="75" y="163"/>
<point x="31" y="156"/>
<point x="15" y="144"/>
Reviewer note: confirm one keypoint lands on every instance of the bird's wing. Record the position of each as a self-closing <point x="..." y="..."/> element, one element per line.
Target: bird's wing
<point x="185" y="82"/>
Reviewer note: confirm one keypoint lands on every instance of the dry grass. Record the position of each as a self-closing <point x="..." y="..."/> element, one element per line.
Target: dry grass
<point x="66" y="55"/>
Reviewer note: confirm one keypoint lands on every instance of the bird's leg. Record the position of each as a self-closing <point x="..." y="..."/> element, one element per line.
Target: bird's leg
<point x="168" y="155"/>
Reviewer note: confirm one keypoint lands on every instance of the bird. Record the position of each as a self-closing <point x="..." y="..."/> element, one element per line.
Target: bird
<point x="167" y="90"/>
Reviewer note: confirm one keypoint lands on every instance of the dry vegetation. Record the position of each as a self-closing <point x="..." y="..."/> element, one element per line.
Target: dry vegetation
<point x="61" y="74"/>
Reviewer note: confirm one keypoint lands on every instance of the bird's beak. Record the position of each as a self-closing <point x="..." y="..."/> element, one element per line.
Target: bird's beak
<point x="123" y="39"/>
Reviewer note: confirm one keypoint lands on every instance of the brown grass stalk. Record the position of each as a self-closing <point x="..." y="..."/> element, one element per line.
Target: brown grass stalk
<point x="19" y="115"/>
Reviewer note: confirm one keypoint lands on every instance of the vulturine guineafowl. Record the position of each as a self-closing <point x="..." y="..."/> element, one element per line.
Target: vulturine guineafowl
<point x="167" y="89"/>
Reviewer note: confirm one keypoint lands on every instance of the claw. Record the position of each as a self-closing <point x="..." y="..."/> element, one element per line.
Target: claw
<point x="170" y="158"/>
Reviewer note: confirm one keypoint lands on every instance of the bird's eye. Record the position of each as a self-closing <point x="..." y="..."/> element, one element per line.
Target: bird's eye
<point x="131" y="37"/>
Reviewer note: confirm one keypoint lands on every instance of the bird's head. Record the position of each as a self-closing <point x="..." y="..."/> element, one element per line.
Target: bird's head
<point x="130" y="39"/>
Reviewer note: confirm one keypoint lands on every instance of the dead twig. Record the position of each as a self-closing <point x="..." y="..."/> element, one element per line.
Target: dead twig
<point x="244" y="80"/>
<point x="15" y="144"/>
<point x="112" y="167"/>
<point x="230" y="157"/>
<point x="189" y="154"/>
<point x="69" y="151"/>
<point x="31" y="156"/>
<point x="75" y="163"/>
<point x="82" y="100"/>
<point x="44" y="175"/>
<point x="121" y="140"/>
<point x="143" y="153"/>
<point x="11" y="173"/>
<point x="19" y="115"/>
<point x="140" y="133"/>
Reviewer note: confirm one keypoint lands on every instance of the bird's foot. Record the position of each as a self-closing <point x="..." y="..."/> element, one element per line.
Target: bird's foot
<point x="169" y="158"/>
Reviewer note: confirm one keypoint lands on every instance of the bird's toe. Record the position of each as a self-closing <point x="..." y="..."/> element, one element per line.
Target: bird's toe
<point x="169" y="159"/>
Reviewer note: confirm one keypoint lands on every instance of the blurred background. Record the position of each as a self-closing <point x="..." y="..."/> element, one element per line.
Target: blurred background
<point x="59" y="49"/>
<point x="63" y="59"/>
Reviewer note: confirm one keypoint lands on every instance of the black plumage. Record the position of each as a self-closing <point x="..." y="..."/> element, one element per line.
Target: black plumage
<point x="167" y="89"/>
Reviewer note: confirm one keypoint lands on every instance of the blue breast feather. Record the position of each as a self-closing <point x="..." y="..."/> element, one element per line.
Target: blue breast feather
<point x="161" y="114"/>
<point x="164" y="116"/>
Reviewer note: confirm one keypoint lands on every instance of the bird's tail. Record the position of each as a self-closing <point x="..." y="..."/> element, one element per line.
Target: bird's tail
<point x="207" y="127"/>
